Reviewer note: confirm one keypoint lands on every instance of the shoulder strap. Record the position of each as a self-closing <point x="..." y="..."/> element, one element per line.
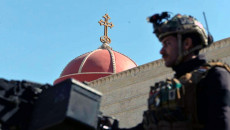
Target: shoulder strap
<point x="196" y="75"/>
<point x="219" y="64"/>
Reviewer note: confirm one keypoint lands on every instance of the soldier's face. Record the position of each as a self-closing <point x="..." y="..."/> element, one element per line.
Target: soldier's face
<point x="169" y="50"/>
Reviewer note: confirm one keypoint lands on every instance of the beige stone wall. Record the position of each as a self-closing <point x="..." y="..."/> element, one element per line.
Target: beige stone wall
<point x="125" y="94"/>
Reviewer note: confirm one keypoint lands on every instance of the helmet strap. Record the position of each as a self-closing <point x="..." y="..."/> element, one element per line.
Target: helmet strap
<point x="181" y="53"/>
<point x="180" y="49"/>
<point x="192" y="50"/>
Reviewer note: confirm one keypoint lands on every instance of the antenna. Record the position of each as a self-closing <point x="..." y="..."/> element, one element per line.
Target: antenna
<point x="210" y="38"/>
<point x="206" y="23"/>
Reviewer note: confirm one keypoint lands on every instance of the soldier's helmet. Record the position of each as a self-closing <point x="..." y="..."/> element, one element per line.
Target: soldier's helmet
<point x="182" y="24"/>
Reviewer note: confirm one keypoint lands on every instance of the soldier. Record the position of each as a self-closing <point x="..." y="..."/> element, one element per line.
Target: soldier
<point x="198" y="97"/>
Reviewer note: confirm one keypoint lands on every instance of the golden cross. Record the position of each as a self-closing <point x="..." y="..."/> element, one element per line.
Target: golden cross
<point x="105" y="38"/>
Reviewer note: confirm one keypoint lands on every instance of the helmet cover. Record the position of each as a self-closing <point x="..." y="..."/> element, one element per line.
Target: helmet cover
<point x="183" y="24"/>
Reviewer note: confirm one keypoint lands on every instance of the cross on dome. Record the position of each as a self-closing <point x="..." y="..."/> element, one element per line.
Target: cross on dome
<point x="105" y="39"/>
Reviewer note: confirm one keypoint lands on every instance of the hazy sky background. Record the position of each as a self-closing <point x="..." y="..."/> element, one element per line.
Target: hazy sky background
<point x="39" y="37"/>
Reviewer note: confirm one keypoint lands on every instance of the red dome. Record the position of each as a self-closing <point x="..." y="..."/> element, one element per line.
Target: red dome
<point x="96" y="64"/>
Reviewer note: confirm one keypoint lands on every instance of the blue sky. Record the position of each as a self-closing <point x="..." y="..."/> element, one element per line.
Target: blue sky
<point x="39" y="37"/>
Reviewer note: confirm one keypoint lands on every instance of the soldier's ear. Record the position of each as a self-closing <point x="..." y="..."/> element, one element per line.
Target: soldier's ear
<point x="187" y="43"/>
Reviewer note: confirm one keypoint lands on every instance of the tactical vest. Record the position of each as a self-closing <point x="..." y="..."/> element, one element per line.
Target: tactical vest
<point x="172" y="103"/>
